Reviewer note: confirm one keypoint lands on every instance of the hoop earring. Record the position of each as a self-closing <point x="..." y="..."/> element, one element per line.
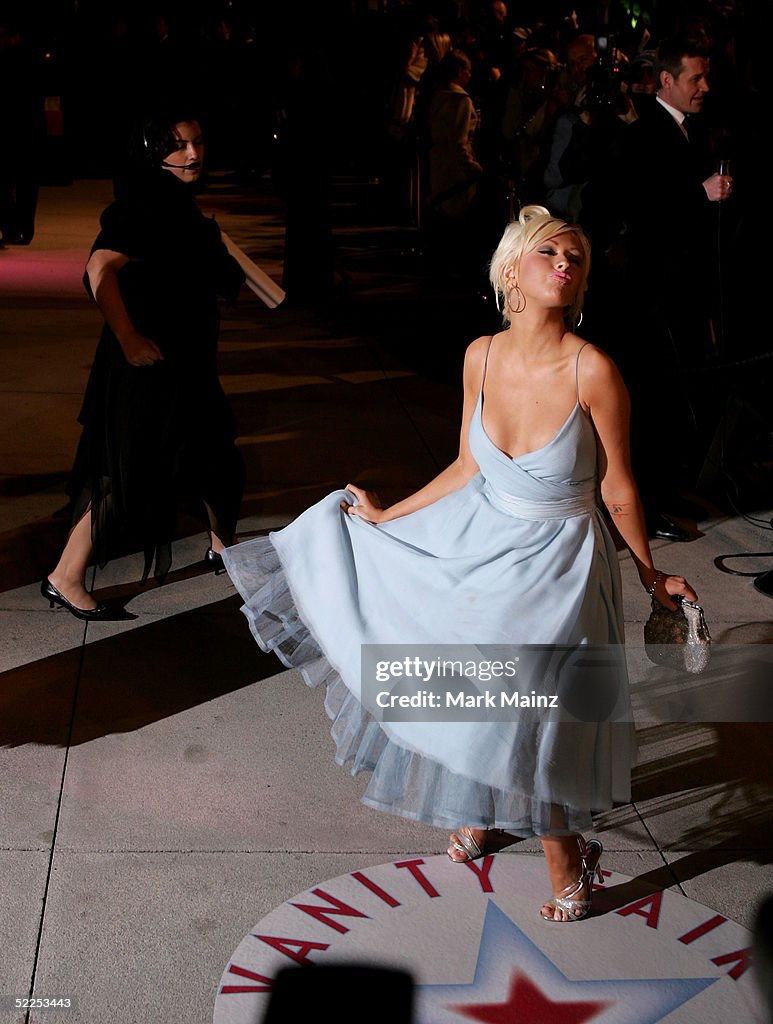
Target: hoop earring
<point x="572" y="321"/>
<point x="521" y="300"/>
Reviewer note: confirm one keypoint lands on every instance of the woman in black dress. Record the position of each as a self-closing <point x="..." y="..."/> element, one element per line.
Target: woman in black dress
<point x="156" y="424"/>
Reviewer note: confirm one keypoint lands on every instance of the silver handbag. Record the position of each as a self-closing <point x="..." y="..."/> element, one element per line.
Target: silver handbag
<point x="678" y="639"/>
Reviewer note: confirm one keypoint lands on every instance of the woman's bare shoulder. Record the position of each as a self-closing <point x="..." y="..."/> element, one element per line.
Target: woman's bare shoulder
<point x="480" y="345"/>
<point x="475" y="357"/>
<point x="476" y="350"/>
<point x="599" y="380"/>
<point x="593" y="361"/>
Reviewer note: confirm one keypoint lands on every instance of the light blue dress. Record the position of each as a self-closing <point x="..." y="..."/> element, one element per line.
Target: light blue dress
<point x="520" y="555"/>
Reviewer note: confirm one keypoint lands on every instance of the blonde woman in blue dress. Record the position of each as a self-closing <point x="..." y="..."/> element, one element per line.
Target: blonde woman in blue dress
<point x="506" y="546"/>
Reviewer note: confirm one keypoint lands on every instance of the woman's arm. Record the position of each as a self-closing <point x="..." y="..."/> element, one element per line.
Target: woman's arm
<point x="603" y="391"/>
<point x="102" y="270"/>
<point x="454" y="477"/>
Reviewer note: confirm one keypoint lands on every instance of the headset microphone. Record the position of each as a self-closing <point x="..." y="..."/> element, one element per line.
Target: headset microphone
<point x="181" y="167"/>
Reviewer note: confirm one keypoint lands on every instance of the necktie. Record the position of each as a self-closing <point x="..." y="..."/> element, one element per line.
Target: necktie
<point x="686" y="127"/>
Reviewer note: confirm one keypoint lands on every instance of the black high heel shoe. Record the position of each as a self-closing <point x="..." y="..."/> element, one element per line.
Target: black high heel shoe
<point x="49" y="591"/>
<point x="214" y="562"/>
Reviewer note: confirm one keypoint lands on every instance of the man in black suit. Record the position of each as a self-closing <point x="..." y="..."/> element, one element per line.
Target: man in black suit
<point x="669" y="195"/>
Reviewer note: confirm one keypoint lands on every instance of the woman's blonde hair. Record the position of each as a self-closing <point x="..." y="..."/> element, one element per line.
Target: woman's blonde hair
<point x="534" y="226"/>
<point x="437" y="45"/>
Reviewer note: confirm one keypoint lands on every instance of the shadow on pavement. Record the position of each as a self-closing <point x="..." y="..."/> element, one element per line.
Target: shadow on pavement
<point x="133" y="678"/>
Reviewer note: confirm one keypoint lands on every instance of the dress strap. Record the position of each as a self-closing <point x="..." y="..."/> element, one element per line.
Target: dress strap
<point x="485" y="367"/>
<point x="577" y="371"/>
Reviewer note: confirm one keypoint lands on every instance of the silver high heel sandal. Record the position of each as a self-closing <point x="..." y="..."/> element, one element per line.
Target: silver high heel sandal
<point x="576" y="909"/>
<point x="464" y="841"/>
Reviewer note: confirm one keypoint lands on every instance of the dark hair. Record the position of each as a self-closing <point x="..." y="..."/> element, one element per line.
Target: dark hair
<point x="154" y="137"/>
<point x="670" y="55"/>
<point x="450" y="66"/>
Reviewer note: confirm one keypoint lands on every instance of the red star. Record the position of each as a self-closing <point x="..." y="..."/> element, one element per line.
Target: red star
<point x="527" y="1005"/>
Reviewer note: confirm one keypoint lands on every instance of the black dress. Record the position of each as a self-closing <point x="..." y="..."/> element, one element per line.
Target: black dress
<point x="154" y="436"/>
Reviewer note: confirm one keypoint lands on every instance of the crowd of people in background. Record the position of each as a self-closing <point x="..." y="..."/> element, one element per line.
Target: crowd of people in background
<point x="464" y="113"/>
<point x="540" y="104"/>
<point x="377" y="64"/>
<point x="637" y="128"/>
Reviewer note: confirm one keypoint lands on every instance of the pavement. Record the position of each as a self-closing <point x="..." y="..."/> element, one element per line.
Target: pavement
<point x="164" y="785"/>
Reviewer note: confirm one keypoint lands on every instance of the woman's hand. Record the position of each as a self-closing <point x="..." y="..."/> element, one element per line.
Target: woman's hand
<point x="368" y="506"/>
<point x="139" y="350"/>
<point x="667" y="587"/>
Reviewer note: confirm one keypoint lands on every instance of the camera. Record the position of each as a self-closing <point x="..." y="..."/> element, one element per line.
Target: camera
<point x="604" y="82"/>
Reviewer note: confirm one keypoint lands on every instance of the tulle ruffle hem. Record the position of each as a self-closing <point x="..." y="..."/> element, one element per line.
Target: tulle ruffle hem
<point x="403" y="781"/>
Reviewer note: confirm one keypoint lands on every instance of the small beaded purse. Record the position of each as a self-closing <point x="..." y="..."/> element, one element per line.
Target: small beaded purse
<point x="678" y="639"/>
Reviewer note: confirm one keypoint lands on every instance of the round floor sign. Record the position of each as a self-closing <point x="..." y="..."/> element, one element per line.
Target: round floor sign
<point x="472" y="940"/>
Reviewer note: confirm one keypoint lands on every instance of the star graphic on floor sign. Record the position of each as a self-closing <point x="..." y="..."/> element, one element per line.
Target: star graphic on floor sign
<point x="527" y="1003"/>
<point x="516" y="983"/>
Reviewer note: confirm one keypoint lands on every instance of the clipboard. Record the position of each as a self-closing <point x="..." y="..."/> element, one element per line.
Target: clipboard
<point x="267" y="290"/>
